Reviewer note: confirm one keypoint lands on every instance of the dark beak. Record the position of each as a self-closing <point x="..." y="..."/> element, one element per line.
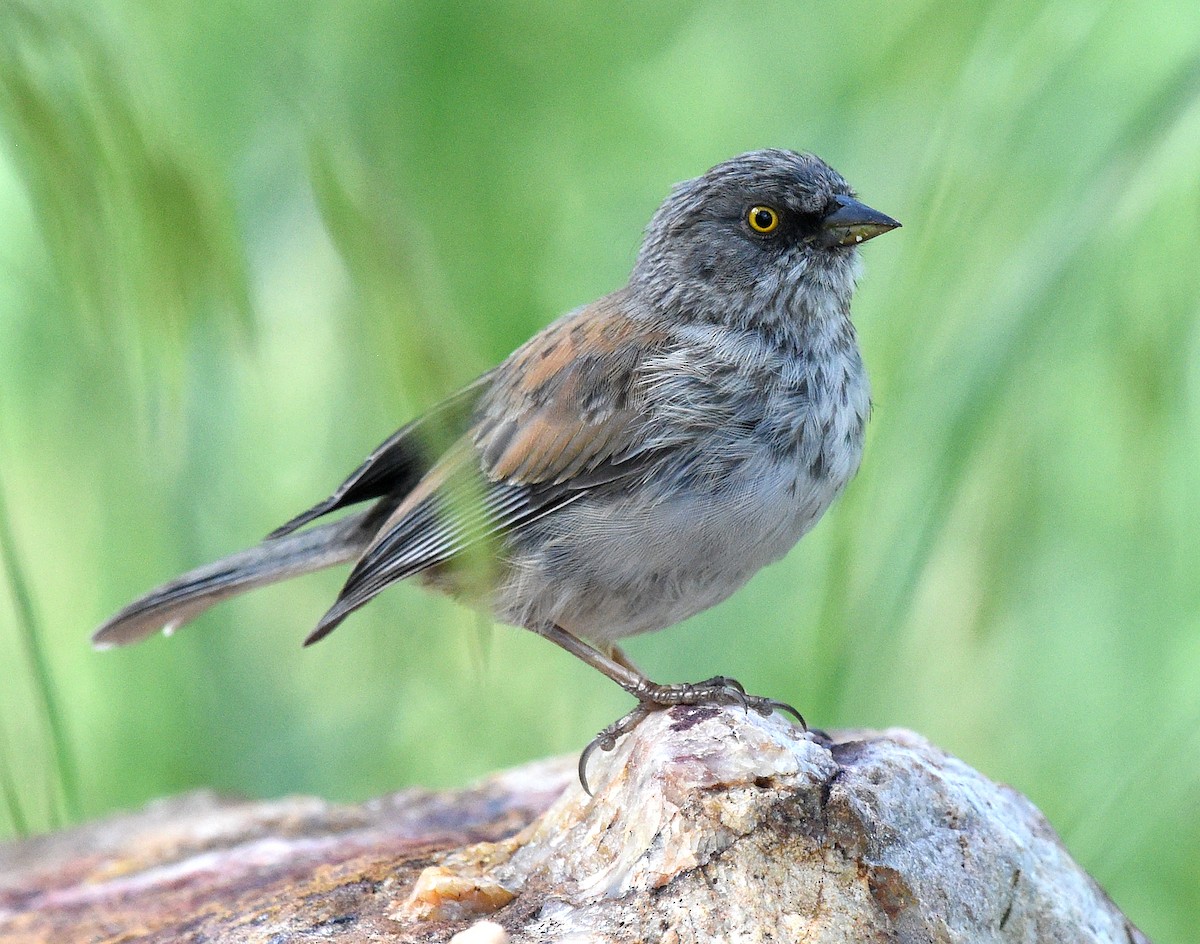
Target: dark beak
<point x="852" y="222"/>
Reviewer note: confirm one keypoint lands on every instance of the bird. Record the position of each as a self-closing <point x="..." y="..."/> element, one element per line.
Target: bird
<point x="632" y="464"/>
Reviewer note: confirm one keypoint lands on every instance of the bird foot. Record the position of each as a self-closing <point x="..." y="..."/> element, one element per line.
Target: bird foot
<point x="718" y="690"/>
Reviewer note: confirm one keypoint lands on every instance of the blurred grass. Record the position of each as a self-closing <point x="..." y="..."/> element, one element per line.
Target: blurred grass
<point x="62" y="778"/>
<point x="245" y="241"/>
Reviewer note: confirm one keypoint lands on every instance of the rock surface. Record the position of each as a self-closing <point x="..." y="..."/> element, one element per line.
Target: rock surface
<point x="707" y="825"/>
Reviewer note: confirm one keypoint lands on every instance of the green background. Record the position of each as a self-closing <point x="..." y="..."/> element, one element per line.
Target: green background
<point x="242" y="242"/>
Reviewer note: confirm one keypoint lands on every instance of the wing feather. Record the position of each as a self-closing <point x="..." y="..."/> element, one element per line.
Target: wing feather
<point x="561" y="416"/>
<point x="399" y="462"/>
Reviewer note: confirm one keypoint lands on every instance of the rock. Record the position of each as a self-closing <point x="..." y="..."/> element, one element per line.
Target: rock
<point x="485" y="932"/>
<point x="707" y="825"/>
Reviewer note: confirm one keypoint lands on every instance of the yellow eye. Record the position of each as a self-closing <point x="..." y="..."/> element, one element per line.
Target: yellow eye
<point x="763" y="219"/>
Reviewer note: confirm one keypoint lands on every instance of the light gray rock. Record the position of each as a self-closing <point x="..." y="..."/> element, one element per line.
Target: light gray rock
<point x="707" y="825"/>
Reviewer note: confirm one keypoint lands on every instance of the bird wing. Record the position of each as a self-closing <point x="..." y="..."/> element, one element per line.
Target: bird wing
<point x="399" y="462"/>
<point x="560" y="416"/>
<point x="568" y="401"/>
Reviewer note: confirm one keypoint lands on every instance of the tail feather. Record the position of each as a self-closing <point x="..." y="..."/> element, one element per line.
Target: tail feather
<point x="187" y="596"/>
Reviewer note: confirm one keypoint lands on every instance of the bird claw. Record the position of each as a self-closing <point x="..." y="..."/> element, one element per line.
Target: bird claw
<point x="770" y="705"/>
<point x="722" y="681"/>
<point x="718" y="690"/>
<point x="606" y="740"/>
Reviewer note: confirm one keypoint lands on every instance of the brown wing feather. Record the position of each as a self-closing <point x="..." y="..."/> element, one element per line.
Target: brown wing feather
<point x="567" y="400"/>
<point x="559" y="415"/>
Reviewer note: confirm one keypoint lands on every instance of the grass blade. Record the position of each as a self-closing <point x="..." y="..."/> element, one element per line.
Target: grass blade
<point x="66" y="800"/>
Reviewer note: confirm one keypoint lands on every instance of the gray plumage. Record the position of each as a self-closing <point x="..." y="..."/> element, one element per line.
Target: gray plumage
<point x="183" y="599"/>
<point x="636" y="461"/>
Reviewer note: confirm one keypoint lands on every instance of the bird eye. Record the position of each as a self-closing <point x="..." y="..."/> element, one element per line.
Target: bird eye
<point x="763" y="219"/>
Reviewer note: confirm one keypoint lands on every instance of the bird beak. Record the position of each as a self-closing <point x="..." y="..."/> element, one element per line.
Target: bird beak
<point x="853" y="222"/>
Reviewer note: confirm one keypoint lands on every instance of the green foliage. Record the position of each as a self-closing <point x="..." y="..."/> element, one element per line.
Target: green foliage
<point x="245" y="241"/>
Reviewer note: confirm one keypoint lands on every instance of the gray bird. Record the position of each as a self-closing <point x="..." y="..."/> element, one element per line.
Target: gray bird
<point x="633" y="463"/>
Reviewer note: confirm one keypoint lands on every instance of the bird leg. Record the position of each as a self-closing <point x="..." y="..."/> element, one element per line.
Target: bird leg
<point x="718" y="690"/>
<point x="617" y="654"/>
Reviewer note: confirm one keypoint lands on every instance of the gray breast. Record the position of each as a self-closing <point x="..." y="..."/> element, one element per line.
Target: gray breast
<point x="756" y="444"/>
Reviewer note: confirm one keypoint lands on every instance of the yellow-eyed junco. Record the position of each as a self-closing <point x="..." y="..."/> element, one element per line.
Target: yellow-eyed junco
<point x="633" y="463"/>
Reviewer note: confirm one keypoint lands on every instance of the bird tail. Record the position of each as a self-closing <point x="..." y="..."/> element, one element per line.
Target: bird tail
<point x="174" y="603"/>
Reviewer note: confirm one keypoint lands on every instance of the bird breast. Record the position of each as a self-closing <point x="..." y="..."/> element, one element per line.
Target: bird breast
<point x="757" y="439"/>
